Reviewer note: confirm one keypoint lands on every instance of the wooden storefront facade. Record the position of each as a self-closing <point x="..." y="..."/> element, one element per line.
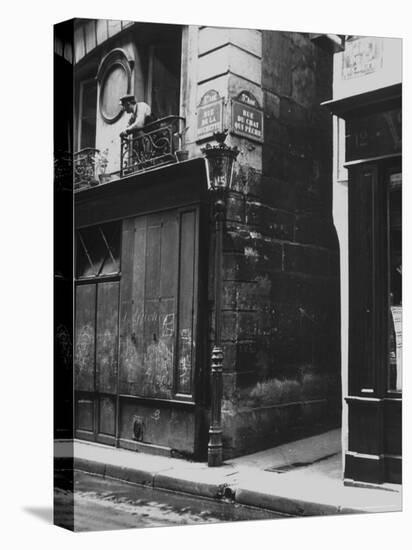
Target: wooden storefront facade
<point x="374" y="398"/>
<point x="138" y="336"/>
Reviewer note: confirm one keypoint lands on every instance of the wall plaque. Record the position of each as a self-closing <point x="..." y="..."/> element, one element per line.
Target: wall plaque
<point x="209" y="114"/>
<point x="361" y="57"/>
<point x="247" y="117"/>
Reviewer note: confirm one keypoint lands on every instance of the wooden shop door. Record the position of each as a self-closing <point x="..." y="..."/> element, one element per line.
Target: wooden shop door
<point x="96" y="331"/>
<point x="158" y="303"/>
<point x="136" y="306"/>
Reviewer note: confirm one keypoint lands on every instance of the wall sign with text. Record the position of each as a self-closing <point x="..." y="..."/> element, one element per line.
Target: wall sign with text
<point x="361" y="57"/>
<point x="209" y="114"/>
<point x="247" y="117"/>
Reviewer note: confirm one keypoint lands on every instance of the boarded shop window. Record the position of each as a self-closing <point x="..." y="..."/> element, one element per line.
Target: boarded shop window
<point x="135" y="331"/>
<point x="158" y="300"/>
<point x="96" y="327"/>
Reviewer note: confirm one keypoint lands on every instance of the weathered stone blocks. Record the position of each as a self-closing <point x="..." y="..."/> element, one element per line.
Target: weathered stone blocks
<point x="277" y="54"/>
<point x="280" y="325"/>
<point x="235" y="207"/>
<point x="310" y="229"/>
<point x="272" y="222"/>
<point x="306" y="259"/>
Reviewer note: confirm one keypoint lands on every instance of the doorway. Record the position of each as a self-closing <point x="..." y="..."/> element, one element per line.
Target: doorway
<point x="135" y="329"/>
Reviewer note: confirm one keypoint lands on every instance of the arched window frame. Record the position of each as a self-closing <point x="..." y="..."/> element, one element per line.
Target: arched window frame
<point x="116" y="57"/>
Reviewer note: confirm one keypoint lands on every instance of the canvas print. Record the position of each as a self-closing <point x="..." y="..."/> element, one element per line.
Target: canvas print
<point x="228" y="274"/>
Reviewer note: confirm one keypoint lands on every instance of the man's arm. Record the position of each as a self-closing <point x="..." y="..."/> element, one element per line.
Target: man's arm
<point x="143" y="111"/>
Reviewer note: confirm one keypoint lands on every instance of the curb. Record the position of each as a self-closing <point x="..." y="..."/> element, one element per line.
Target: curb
<point x="89" y="466"/>
<point x="122" y="473"/>
<point x="284" y="505"/>
<point x="192" y="487"/>
<point x="157" y="480"/>
<point x="169" y="480"/>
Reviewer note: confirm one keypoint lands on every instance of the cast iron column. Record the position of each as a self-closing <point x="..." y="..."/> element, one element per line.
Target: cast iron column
<point x="215" y="446"/>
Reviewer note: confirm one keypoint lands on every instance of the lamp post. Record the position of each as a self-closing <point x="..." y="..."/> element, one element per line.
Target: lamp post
<point x="220" y="159"/>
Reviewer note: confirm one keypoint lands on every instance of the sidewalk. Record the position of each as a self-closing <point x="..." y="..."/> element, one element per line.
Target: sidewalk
<point x="300" y="478"/>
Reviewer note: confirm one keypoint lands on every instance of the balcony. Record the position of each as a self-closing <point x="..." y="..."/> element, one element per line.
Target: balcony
<point x="63" y="170"/>
<point x="85" y="164"/>
<point x="154" y="145"/>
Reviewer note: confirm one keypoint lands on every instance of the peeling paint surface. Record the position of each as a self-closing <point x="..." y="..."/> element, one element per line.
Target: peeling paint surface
<point x="158" y="363"/>
<point x="84" y="350"/>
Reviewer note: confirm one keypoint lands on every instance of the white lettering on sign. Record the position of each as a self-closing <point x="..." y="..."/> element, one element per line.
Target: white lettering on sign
<point x="247" y="121"/>
<point x="209" y="119"/>
<point x="209" y="97"/>
<point x="246" y="99"/>
<point x="247" y="114"/>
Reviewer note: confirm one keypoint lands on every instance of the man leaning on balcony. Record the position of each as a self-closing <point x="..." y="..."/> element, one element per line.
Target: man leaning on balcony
<point x="140" y="111"/>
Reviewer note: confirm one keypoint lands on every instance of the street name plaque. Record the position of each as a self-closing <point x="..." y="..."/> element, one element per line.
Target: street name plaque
<point x="247" y="117"/>
<point x="209" y="115"/>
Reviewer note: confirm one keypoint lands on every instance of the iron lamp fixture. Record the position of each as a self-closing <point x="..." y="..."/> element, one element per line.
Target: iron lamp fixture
<point x="220" y="160"/>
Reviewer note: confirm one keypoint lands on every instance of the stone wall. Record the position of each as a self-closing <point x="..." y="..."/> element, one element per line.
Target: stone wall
<point x="281" y="264"/>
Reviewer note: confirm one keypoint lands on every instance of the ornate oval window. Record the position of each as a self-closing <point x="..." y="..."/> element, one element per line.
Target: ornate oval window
<point x="114" y="75"/>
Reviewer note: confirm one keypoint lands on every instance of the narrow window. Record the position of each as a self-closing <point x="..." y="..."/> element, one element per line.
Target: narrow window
<point x="395" y="283"/>
<point x="88" y="100"/>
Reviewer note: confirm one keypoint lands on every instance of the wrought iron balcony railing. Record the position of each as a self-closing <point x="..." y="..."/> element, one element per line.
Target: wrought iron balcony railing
<point x="85" y="164"/>
<point x="63" y="170"/>
<point x="153" y="145"/>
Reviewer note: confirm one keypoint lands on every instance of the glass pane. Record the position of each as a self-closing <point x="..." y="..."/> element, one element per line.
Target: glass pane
<point x="84" y="264"/>
<point x="166" y="79"/>
<point x="89" y="99"/>
<point x="395" y="283"/>
<point x="114" y="87"/>
<point x="111" y="236"/>
<point x="95" y="246"/>
<point x="98" y="250"/>
<point x="88" y="121"/>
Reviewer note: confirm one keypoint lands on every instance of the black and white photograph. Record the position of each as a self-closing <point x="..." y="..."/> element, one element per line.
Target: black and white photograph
<point x="207" y="231"/>
<point x="237" y="321"/>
